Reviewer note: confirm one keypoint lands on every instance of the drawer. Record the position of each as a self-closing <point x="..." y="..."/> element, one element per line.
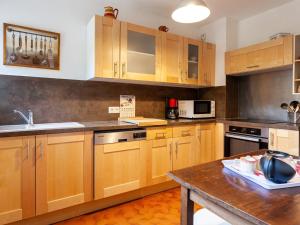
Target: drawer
<point x="204" y="126"/>
<point x="184" y="131"/>
<point x="156" y="133"/>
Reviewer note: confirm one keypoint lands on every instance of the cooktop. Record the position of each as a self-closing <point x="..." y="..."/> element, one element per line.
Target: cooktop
<point x="257" y="121"/>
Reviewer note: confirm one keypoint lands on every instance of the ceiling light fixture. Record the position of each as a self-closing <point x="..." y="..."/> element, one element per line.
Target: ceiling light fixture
<point x="191" y="11"/>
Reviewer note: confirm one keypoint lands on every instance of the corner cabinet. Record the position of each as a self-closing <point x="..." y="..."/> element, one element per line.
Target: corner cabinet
<point x="17" y="178"/>
<point x="63" y="170"/>
<point x="127" y="52"/>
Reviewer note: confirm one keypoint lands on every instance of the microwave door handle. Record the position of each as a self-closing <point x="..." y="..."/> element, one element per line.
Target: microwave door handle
<point x="242" y="137"/>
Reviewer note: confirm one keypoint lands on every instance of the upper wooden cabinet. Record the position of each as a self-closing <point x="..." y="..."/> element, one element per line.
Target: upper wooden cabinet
<point x="172" y="58"/>
<point x="17" y="178"/>
<point x="140" y="53"/>
<point x="103" y="47"/>
<point x="263" y="56"/>
<point x="63" y="170"/>
<point x="125" y="51"/>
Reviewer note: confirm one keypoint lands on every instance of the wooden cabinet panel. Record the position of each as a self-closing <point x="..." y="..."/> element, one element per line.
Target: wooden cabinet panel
<point x="209" y="63"/>
<point x="219" y="141"/>
<point x="17" y="178"/>
<point x="184" y="131"/>
<point x="103" y="47"/>
<point x="284" y="140"/>
<point x="183" y="152"/>
<point x="172" y="58"/>
<point x="140" y="53"/>
<point x="267" y="55"/>
<point x="118" y="168"/>
<point x="205" y="143"/>
<point x="159" y="133"/>
<point x="63" y="167"/>
<point x="159" y="160"/>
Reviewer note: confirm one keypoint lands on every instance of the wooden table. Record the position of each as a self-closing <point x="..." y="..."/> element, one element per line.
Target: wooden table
<point x="234" y="198"/>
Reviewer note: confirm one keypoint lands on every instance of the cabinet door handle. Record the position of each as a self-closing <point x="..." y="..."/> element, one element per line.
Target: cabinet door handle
<point x="176" y="150"/>
<point x="186" y="75"/>
<point x="123" y="69"/>
<point x="170" y="152"/>
<point x="115" y="69"/>
<point x="254" y="66"/>
<point x="28" y="146"/>
<point x="41" y="150"/>
<point x="160" y="136"/>
<point x="185" y="133"/>
<point x="272" y="140"/>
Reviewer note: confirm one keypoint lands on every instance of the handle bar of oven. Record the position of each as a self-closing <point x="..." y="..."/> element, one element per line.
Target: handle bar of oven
<point x="246" y="138"/>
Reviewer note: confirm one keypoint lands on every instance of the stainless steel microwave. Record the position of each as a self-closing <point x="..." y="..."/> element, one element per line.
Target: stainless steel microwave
<point x="196" y="109"/>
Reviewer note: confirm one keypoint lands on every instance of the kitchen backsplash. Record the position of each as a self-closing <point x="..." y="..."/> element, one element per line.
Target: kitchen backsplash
<point x="259" y="96"/>
<point x="55" y="100"/>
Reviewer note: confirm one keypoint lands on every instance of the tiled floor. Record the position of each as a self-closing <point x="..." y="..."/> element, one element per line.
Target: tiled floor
<point x="158" y="209"/>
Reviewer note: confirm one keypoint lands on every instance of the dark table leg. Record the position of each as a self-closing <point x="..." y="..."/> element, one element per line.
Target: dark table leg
<point x="187" y="207"/>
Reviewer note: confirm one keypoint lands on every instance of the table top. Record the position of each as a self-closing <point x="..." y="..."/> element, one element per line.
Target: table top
<point x="240" y="196"/>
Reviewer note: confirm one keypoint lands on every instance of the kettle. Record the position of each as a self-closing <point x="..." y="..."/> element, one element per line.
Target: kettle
<point x="276" y="168"/>
<point x="111" y="12"/>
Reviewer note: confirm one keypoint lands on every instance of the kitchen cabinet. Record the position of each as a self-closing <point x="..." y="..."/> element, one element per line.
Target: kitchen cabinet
<point x="267" y="55"/>
<point x="140" y="53"/>
<point x="172" y="58"/>
<point x="205" y="143"/>
<point x="207" y="77"/>
<point x="17" y="178"/>
<point x="284" y="140"/>
<point x="219" y="141"/>
<point x="63" y="170"/>
<point x="103" y="45"/>
<point x="118" y="168"/>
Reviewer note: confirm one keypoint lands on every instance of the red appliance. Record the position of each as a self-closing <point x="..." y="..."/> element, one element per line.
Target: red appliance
<point x="172" y="108"/>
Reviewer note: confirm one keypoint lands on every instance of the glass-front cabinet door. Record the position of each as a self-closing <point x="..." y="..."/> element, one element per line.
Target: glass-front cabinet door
<point x="192" y="61"/>
<point x="140" y="53"/>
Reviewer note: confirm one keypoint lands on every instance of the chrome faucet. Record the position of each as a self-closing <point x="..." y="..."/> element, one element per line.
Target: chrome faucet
<point x="28" y="120"/>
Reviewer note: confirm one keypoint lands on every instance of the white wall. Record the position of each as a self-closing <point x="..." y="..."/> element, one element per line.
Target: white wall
<point x="70" y="17"/>
<point x="285" y="18"/>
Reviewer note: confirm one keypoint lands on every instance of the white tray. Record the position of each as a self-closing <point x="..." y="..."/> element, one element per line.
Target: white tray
<point x="260" y="180"/>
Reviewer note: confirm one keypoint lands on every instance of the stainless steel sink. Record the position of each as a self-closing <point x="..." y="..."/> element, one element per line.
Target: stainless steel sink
<point x="42" y="126"/>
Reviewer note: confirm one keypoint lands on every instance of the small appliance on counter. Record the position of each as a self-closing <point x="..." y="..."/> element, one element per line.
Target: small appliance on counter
<point x="196" y="109"/>
<point x="172" y="111"/>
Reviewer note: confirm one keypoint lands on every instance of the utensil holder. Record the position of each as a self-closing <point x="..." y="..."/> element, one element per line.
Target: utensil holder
<point x="293" y="117"/>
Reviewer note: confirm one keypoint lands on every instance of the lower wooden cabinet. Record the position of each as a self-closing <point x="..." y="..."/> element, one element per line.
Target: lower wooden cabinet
<point x="17" y="178"/>
<point x="63" y="170"/>
<point x="118" y="168"/>
<point x="183" y="152"/>
<point x="284" y="140"/>
<point x="205" y="143"/>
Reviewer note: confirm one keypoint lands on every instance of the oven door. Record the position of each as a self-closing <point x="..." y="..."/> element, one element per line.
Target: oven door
<point x="237" y="144"/>
<point x="202" y="107"/>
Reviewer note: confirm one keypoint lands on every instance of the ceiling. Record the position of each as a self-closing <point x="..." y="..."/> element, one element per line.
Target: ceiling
<point x="238" y="9"/>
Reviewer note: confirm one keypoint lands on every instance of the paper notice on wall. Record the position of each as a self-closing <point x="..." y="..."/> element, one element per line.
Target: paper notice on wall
<point x="127" y="106"/>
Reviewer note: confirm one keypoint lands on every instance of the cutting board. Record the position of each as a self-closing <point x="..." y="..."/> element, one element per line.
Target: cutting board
<point x="144" y="122"/>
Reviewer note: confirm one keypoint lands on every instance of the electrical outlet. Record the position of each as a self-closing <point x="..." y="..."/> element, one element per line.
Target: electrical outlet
<point x="115" y="109"/>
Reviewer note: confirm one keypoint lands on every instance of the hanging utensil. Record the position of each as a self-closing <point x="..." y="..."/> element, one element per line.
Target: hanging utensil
<point x="31" y="44"/>
<point x="19" y="48"/>
<point x="36" y="59"/>
<point x="294" y="105"/>
<point x="284" y="106"/>
<point x="45" y="60"/>
<point x="13" y="57"/>
<point x="25" y="56"/>
<point x="41" y="47"/>
<point x="50" y="54"/>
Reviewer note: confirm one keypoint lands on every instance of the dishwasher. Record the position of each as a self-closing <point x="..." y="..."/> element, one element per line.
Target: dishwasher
<point x="118" y="161"/>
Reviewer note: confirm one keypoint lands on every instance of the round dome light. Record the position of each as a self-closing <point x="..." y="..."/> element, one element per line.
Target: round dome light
<point x="191" y="11"/>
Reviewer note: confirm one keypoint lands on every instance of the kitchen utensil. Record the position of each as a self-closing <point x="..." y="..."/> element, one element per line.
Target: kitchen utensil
<point x="13" y="57"/>
<point x="111" y="12"/>
<point x="294" y="105"/>
<point x="31" y="44"/>
<point x="284" y="106"/>
<point x="275" y="168"/>
<point x="19" y="48"/>
<point x="25" y="56"/>
<point x="36" y="59"/>
<point x="163" y="28"/>
<point x="45" y="59"/>
<point x="50" y="54"/>
<point x="41" y="47"/>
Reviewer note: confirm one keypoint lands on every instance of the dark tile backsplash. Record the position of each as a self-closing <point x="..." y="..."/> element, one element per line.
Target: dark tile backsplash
<point x="260" y="96"/>
<point x="55" y="100"/>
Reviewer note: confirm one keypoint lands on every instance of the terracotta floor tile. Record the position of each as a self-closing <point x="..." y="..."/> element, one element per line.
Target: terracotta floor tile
<point x="158" y="209"/>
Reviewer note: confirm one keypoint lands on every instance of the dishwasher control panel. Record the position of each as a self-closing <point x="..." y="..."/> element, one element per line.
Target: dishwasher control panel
<point x="110" y="137"/>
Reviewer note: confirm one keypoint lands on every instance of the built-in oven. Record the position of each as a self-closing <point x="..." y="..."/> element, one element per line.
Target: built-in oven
<point x="240" y="140"/>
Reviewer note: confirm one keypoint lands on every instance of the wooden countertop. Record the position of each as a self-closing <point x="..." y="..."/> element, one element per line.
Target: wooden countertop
<point x="239" y="196"/>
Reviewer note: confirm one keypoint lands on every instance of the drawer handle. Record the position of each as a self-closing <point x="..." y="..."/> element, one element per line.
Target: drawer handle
<point x="185" y="133"/>
<point x="250" y="67"/>
<point x="160" y="136"/>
